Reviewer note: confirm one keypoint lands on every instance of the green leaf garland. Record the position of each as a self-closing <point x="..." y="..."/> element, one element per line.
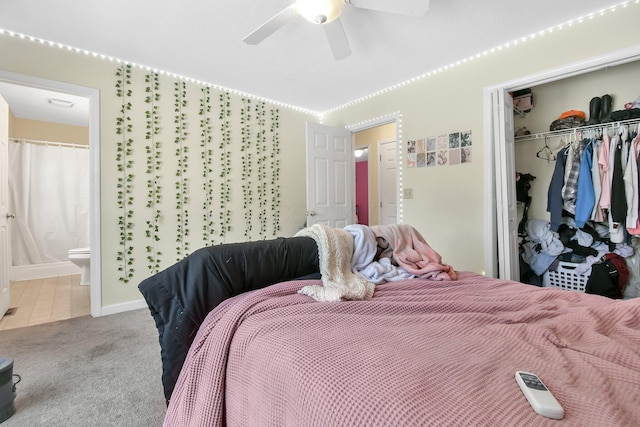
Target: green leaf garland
<point x="258" y="152"/>
<point x="261" y="142"/>
<point x="206" y="137"/>
<point x="247" y="166"/>
<point x="124" y="164"/>
<point x="153" y="167"/>
<point x="275" y="170"/>
<point x="182" y="181"/>
<point x="225" y="164"/>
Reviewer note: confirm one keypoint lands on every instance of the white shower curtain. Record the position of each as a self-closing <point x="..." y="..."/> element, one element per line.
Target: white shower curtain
<point x="49" y="194"/>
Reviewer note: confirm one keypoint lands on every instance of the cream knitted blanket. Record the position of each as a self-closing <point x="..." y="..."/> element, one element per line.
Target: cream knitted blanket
<point x="335" y="249"/>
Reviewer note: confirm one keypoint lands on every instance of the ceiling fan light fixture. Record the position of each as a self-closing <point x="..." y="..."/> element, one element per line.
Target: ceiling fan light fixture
<point x="320" y="11"/>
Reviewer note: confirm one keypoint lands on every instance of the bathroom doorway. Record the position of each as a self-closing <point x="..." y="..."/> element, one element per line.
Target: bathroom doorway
<point x="51" y="279"/>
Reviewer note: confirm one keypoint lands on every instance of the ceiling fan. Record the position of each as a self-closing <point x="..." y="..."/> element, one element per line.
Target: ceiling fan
<point x="327" y="14"/>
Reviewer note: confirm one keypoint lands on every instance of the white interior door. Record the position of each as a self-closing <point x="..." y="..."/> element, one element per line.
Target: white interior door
<point x="5" y="262"/>
<point x="387" y="183"/>
<point x="330" y="176"/>
<point x="507" y="225"/>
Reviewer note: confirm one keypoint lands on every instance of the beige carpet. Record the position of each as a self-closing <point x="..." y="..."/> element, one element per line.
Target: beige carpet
<point x="87" y="371"/>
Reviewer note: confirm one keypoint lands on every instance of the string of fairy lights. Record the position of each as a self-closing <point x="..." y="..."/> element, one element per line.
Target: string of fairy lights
<point x="621" y="6"/>
<point x="513" y="43"/>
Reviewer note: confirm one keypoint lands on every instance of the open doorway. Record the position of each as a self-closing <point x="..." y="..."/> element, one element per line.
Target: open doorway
<point x="362" y="184"/>
<point x="378" y="174"/>
<point x="20" y="89"/>
<point x="331" y="201"/>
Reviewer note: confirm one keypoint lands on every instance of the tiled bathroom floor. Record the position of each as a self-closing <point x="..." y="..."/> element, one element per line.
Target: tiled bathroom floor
<point x="46" y="300"/>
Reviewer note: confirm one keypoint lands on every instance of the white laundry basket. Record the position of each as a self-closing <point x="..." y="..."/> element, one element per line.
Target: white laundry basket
<point x="565" y="277"/>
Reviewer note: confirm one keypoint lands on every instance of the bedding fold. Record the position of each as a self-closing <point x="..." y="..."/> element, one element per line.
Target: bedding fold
<point x="366" y="262"/>
<point x="335" y="251"/>
<point x="413" y="253"/>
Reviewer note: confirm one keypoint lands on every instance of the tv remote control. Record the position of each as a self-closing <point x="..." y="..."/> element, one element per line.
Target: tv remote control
<point x="539" y="396"/>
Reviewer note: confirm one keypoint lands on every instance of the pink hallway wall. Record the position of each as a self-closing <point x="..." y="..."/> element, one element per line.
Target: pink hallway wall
<point x="362" y="192"/>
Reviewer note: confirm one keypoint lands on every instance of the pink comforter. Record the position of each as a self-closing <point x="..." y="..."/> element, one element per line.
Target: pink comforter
<point x="418" y="353"/>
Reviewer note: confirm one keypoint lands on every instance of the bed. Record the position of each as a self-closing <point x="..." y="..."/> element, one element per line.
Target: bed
<point x="417" y="352"/>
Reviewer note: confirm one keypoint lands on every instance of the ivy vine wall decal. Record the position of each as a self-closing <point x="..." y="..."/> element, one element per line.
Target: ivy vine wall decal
<point x="247" y="164"/>
<point x="154" y="162"/>
<point x="206" y="135"/>
<point x="275" y="170"/>
<point x="239" y="169"/>
<point x="261" y="142"/>
<point x="124" y="162"/>
<point x="182" y="181"/>
<point x="225" y="164"/>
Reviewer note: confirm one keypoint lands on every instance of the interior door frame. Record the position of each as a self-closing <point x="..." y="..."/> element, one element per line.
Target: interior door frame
<point x="5" y="215"/>
<point x="93" y="96"/>
<point x="495" y="175"/>
<point x="379" y="121"/>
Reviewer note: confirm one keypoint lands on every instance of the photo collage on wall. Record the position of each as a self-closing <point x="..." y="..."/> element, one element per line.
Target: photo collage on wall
<point x="442" y="150"/>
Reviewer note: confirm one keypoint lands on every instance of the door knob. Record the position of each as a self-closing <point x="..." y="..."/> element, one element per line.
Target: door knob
<point x="10" y="216"/>
<point x="311" y="213"/>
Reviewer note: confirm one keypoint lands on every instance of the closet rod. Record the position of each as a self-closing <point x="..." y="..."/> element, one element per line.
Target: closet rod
<point x="55" y="144"/>
<point x="562" y="132"/>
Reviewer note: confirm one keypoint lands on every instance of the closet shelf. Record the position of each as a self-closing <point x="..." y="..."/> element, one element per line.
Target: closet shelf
<point x="557" y="133"/>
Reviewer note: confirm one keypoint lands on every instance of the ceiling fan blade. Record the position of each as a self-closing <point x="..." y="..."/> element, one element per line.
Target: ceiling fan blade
<point x="337" y="39"/>
<point x="415" y="8"/>
<point x="273" y="24"/>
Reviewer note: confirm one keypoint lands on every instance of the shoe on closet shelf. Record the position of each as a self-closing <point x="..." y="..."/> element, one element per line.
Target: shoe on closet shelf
<point x="605" y="109"/>
<point x="632" y="104"/>
<point x="594" y="111"/>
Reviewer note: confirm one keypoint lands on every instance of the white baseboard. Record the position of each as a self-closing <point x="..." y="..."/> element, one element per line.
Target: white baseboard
<point x="122" y="307"/>
<point x="41" y="271"/>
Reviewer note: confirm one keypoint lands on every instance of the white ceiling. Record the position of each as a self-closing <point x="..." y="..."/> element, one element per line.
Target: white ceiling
<point x="34" y="104"/>
<point x="202" y="39"/>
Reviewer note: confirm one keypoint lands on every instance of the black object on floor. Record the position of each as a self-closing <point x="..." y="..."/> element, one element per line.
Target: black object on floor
<point x="7" y="390"/>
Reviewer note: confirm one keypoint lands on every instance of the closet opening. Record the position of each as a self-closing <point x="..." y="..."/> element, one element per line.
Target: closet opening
<point x="504" y="152"/>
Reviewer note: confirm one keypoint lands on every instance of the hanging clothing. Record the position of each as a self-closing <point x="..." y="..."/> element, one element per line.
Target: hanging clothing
<point x="635" y="183"/>
<point x="618" y="212"/>
<point x="554" y="195"/>
<point x="572" y="168"/>
<point x="595" y="177"/>
<point x="631" y="185"/>
<point x="585" y="195"/>
<point x="618" y="198"/>
<point x="604" y="202"/>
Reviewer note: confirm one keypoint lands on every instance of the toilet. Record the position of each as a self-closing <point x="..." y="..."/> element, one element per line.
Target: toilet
<point x="82" y="257"/>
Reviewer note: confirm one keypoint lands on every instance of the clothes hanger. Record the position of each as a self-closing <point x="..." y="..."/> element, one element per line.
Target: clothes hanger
<point x="545" y="152"/>
<point x="621" y="129"/>
<point x="573" y="139"/>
